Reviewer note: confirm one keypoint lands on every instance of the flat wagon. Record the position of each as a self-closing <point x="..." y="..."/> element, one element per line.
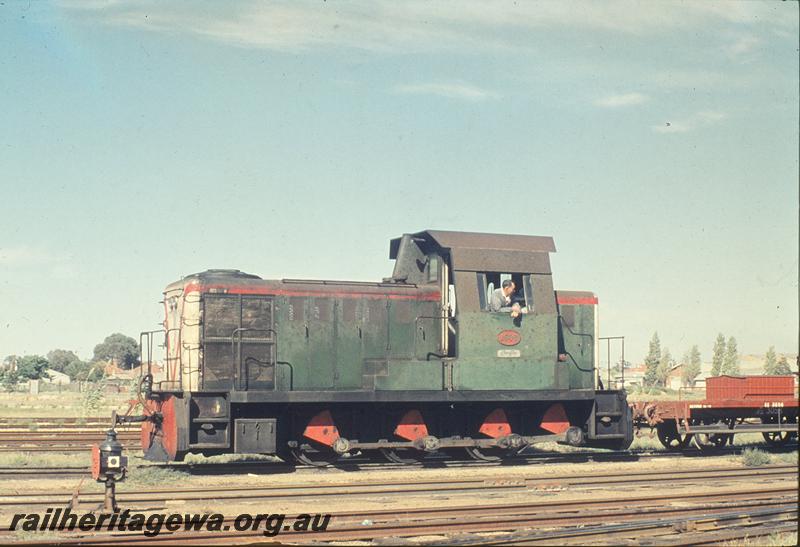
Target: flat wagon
<point x="732" y="405"/>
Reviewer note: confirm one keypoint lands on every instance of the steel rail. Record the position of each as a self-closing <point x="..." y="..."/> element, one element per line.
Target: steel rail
<point x="407" y="488"/>
<point x="652" y="530"/>
<point x="627" y="514"/>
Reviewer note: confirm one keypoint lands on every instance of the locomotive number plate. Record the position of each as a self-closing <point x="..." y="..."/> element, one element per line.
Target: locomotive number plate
<point x="508" y="353"/>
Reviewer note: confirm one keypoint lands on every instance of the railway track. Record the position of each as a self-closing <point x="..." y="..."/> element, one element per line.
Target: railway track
<point x="62" y="440"/>
<point x="71" y="434"/>
<point x="60" y="434"/>
<point x="354" y="464"/>
<point x="350" y="464"/>
<point x="415" y="487"/>
<point x="677" y="519"/>
<point x="66" y="440"/>
<point x="55" y="421"/>
<point x="363" y="463"/>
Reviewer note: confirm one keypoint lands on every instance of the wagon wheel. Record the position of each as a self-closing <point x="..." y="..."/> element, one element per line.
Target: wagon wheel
<point x="405" y="456"/>
<point x="779" y="438"/>
<point x="313" y="457"/>
<point x="484" y="454"/>
<point x="711" y="441"/>
<point x="670" y="438"/>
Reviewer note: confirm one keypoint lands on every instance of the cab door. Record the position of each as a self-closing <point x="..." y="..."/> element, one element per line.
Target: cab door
<point x="496" y="351"/>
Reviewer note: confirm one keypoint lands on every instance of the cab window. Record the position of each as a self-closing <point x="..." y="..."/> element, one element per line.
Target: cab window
<point x="488" y="282"/>
<point x="433" y="268"/>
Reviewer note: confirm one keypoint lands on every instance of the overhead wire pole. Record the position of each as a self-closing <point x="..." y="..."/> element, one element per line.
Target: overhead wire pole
<point x="608" y="340"/>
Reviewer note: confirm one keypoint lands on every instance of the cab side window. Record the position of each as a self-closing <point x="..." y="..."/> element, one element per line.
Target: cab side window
<point x="489" y="282"/>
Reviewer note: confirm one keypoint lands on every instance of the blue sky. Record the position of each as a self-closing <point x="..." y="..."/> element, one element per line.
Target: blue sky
<point x="142" y="141"/>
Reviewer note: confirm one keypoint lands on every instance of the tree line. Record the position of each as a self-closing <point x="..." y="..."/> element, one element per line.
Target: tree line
<point x="724" y="361"/>
<point x="116" y="348"/>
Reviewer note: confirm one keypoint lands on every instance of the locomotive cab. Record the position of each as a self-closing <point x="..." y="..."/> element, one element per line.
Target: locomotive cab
<point x="484" y="349"/>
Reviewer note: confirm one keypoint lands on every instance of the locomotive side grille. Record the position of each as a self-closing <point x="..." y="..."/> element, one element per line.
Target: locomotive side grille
<point x="349" y="306"/>
<point x="238" y="342"/>
<point x="257" y="315"/>
<point x="218" y="363"/>
<point x="221" y="314"/>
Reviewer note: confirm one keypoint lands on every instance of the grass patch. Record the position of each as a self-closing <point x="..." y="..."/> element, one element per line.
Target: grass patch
<point x="43" y="459"/>
<point x="753" y="457"/>
<point x="150" y="475"/>
<point x="228" y="458"/>
<point x="645" y="442"/>
<point x="773" y="540"/>
<point x="788" y="457"/>
<point x="54" y="404"/>
<point x="638" y="393"/>
<point x="752" y="440"/>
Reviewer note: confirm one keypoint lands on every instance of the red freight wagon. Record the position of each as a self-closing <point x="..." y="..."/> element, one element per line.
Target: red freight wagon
<point x="733" y="404"/>
<point x="759" y="389"/>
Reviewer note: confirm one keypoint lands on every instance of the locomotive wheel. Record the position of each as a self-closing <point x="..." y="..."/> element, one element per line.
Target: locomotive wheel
<point x="314" y="458"/>
<point x="484" y="454"/>
<point x="405" y="456"/>
<point x="455" y="454"/>
<point x="670" y="438"/>
<point x="779" y="438"/>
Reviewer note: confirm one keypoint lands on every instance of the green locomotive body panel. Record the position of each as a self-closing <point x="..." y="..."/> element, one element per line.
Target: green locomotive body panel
<point x="578" y="327"/>
<point x="483" y="363"/>
<point x="427" y="328"/>
<point x="351" y="343"/>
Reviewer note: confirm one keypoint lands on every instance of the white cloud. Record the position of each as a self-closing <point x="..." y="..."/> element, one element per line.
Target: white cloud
<point x="412" y="25"/>
<point x="626" y="99"/>
<point x="691" y="79"/>
<point x="26" y="256"/>
<point x="459" y="90"/>
<point x="744" y="44"/>
<point x="744" y="48"/>
<point x="23" y="257"/>
<point x="690" y="123"/>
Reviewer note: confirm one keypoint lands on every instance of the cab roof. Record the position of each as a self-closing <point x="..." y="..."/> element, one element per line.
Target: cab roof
<point x="474" y="251"/>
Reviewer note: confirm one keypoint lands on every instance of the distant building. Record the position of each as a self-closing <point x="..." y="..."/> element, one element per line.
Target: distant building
<point x="675" y="378"/>
<point x="55" y="377"/>
<point x="634" y="376"/>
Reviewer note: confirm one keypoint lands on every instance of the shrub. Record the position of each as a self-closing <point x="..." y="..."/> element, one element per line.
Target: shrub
<point x="753" y="457"/>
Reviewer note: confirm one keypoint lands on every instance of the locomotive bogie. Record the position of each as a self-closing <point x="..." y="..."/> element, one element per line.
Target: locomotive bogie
<point x="347" y="427"/>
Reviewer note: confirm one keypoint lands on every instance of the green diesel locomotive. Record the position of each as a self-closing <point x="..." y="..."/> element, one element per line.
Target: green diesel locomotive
<point x="421" y="362"/>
